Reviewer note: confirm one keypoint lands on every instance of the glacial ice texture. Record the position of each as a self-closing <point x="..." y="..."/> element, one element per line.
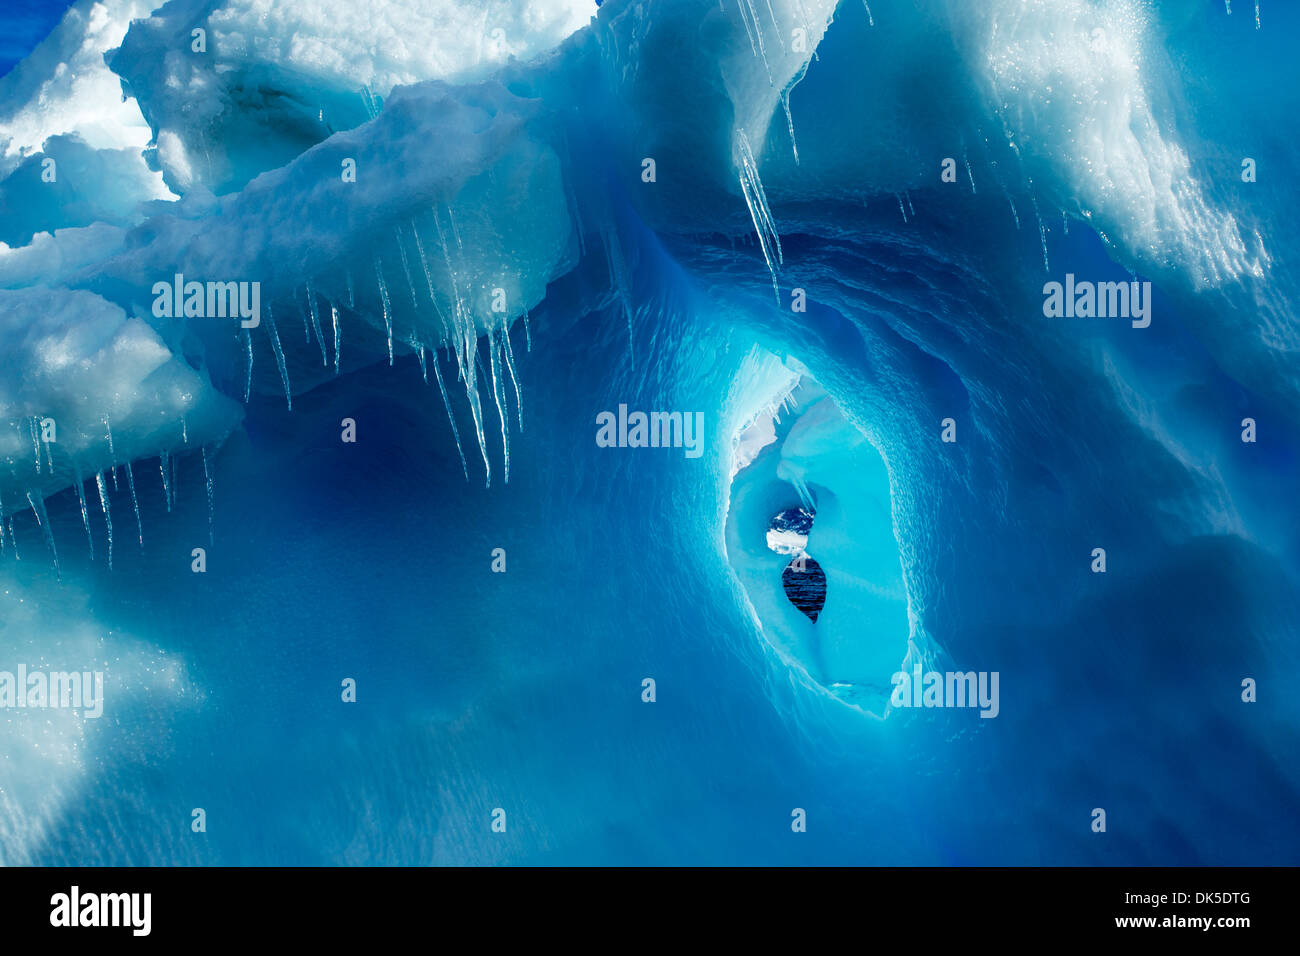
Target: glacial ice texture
<point x="461" y="249"/>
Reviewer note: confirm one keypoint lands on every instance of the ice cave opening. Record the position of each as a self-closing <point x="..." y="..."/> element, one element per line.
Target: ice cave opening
<point x="810" y="536"/>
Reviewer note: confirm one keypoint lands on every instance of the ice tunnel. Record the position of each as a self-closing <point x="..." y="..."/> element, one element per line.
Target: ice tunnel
<point x="797" y="450"/>
<point x="469" y="249"/>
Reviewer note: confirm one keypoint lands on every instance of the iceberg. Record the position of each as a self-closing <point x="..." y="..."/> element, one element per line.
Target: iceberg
<point x="373" y="561"/>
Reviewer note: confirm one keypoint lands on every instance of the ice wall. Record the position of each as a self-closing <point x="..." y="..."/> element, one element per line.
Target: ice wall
<point x="232" y="88"/>
<point x="501" y="204"/>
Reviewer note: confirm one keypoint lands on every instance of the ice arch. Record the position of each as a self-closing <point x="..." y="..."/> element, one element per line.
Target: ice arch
<point x="798" y="449"/>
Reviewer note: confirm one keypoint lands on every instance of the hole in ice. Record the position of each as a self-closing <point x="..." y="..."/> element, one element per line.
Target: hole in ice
<point x="806" y="482"/>
<point x="788" y="531"/>
<point x="803" y="578"/>
<point x="805" y="585"/>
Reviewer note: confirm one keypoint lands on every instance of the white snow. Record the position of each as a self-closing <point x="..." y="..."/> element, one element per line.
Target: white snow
<point x="80" y="361"/>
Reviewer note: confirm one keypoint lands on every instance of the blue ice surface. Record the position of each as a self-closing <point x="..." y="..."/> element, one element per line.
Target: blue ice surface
<point x="522" y="690"/>
<point x="26" y="23"/>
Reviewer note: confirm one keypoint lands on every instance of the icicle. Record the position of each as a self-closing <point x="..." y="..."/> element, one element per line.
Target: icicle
<point x="789" y="124"/>
<point x="13" y="541"/>
<point x="165" y="470"/>
<point x="498" y="394"/>
<point x="185" y="439"/>
<point x="1256" y="14"/>
<point x="85" y="514"/>
<point x="174" y="485"/>
<point x="1042" y="233"/>
<point x="1012" y="203"/>
<point x="108" y="518"/>
<point x="248" y="350"/>
<point x="510" y="366"/>
<point x="42" y="519"/>
<point x="334" y="316"/>
<point x="458" y="311"/>
<point x="419" y="351"/>
<point x="387" y="304"/>
<point x="757" y="33"/>
<point x="759" y="211"/>
<point x="446" y="403"/>
<point x="279" y="355"/>
<point x="466" y="338"/>
<point x="466" y="334"/>
<point x="969" y="175"/>
<point x="406" y="268"/>
<point x="428" y="279"/>
<point x="315" y="324"/>
<point x="470" y="345"/>
<point x="528" y="335"/>
<point x="901" y="208"/>
<point x="34" y="425"/>
<point x="910" y="208"/>
<point x="805" y="493"/>
<point x="352" y="296"/>
<point x="207" y="478"/>
<point x="108" y="430"/>
<point x="870" y="21"/>
<point x="135" y="504"/>
<point x="49" y="460"/>
<point x="748" y="30"/>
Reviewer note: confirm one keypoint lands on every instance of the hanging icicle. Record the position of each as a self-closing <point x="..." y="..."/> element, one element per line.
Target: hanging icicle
<point x="315" y="323"/>
<point x="108" y="430"/>
<point x="164" y="469"/>
<point x="85" y="513"/>
<point x="386" y="303"/>
<point x="248" y="352"/>
<point x="334" y="317"/>
<point x="135" y="504"/>
<point x="108" y="518"/>
<point x="759" y="211"/>
<point x="38" y="508"/>
<point x="207" y="478"/>
<point x="279" y="355"/>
